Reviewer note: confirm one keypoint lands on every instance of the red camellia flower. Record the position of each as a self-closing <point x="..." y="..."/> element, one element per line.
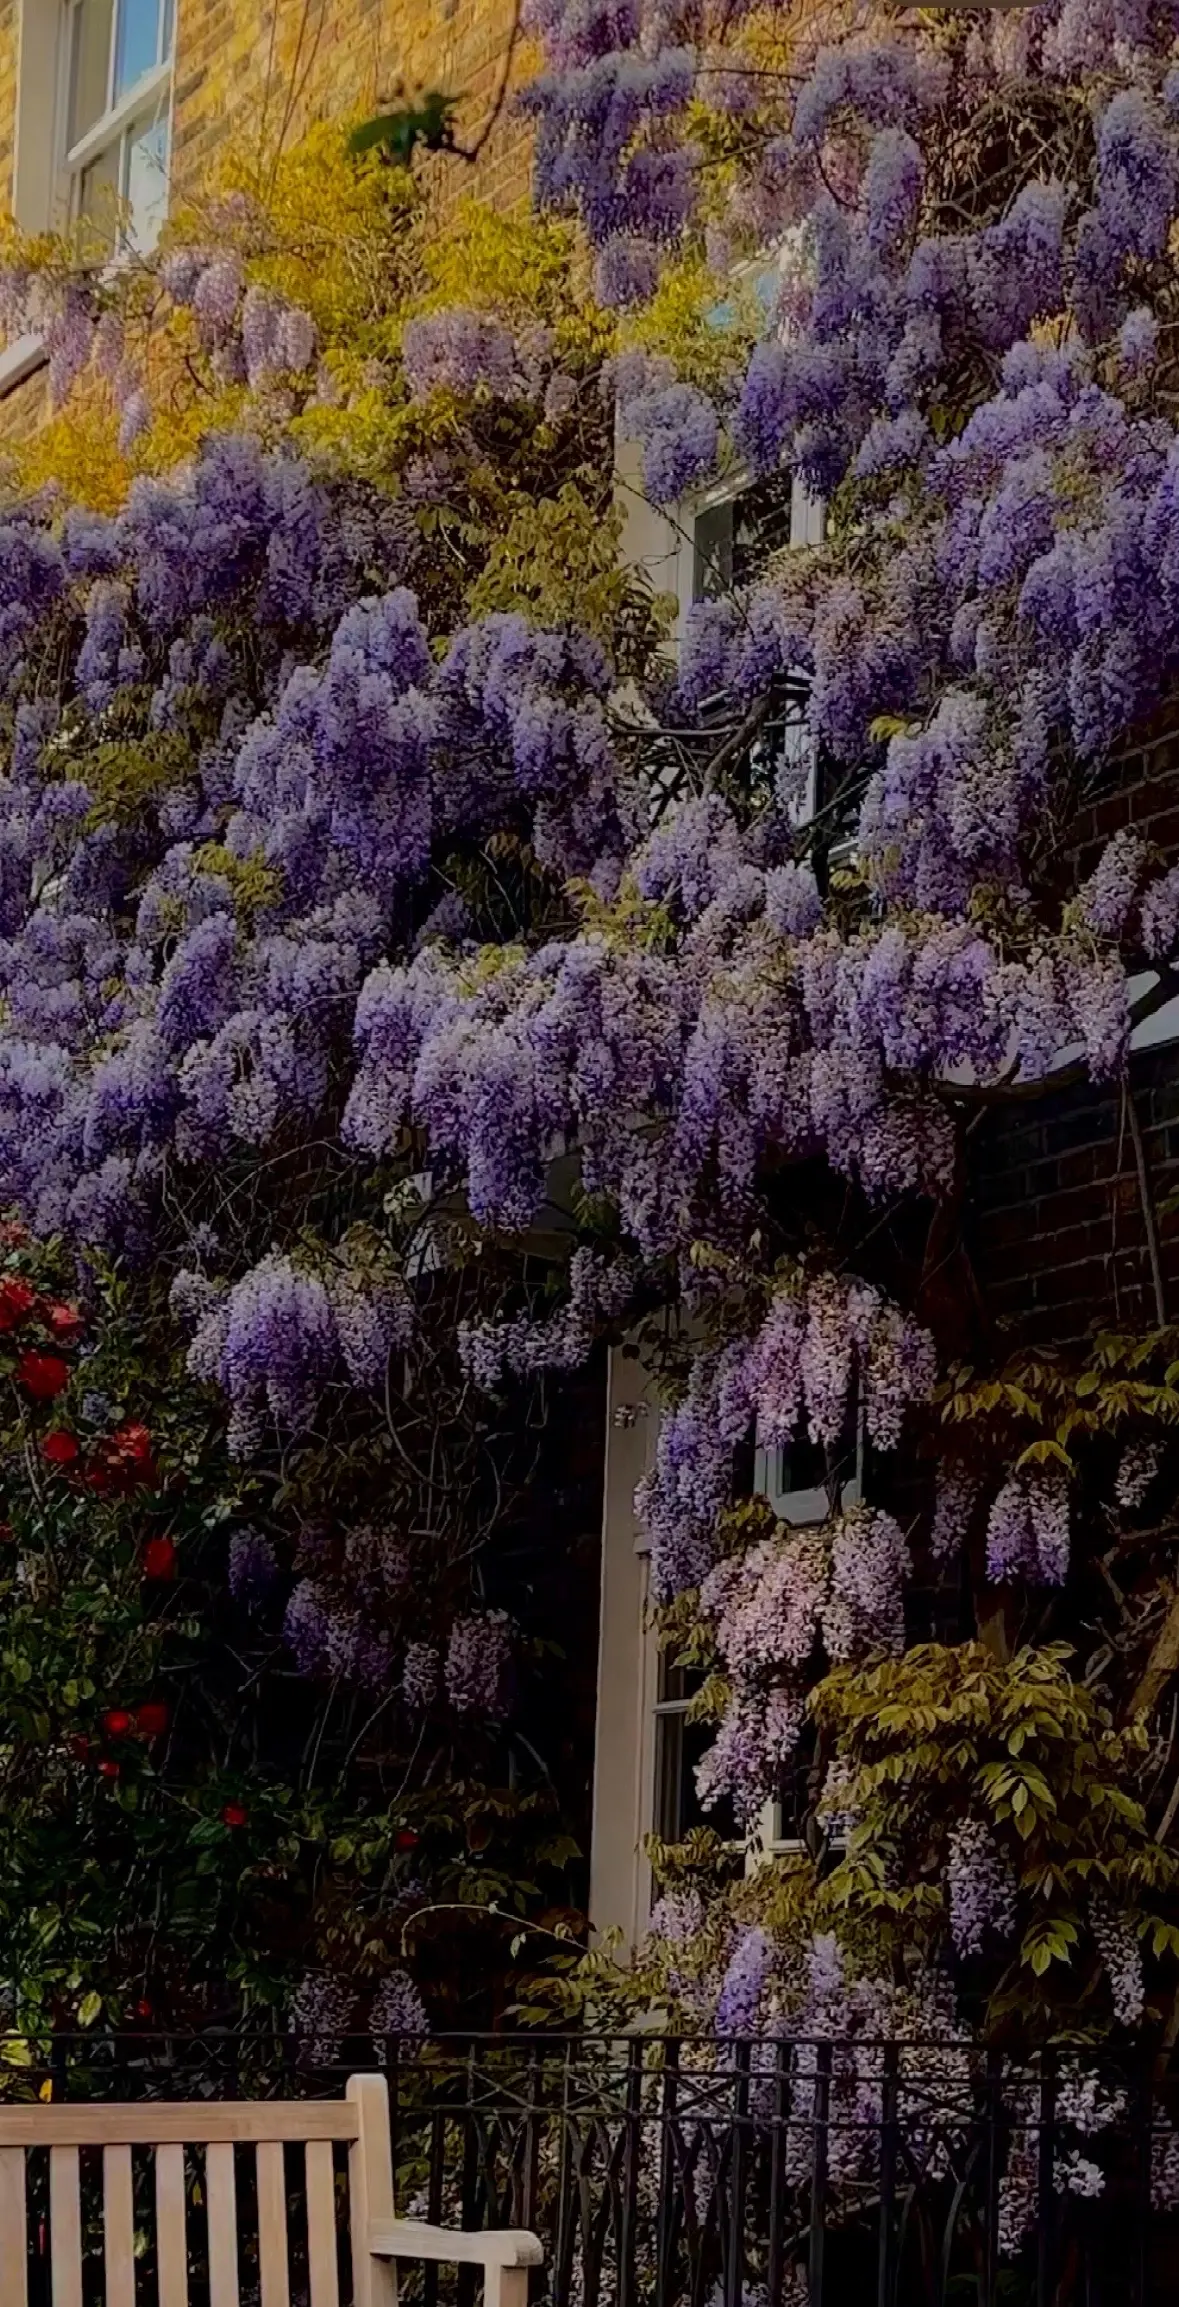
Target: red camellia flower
<point x="122" y="1461"/>
<point x="406" y="1839"/>
<point x="17" y="1299"/>
<point x="65" y="1321"/>
<point x="159" y="1558"/>
<point x="233" y="1814"/>
<point x="143" y="2009"/>
<point x="132" y="1441"/>
<point x="43" y="1375"/>
<point x="60" y="1448"/>
<point x="151" y="1719"/>
<point x="116" y="1723"/>
<point x="107" y="1768"/>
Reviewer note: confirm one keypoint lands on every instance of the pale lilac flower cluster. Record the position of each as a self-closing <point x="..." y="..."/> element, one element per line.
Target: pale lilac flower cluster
<point x="421" y="1674"/>
<point x="397" y="2009"/>
<point x="1028" y="1529"/>
<point x="598" y="1293"/>
<point x="821" y="1350"/>
<point x="743" y="1988"/>
<point x="958" y="1490"/>
<point x="253" y="1567"/>
<point x="318" y="2014"/>
<point x="1137" y="1468"/>
<point x="1121" y="1953"/>
<point x="773" y="1610"/>
<point x="461" y="352"/>
<point x="478" y="1668"/>
<point x="980" y="1882"/>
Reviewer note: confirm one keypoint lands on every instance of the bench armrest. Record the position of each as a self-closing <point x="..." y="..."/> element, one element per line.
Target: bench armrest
<point x="413" y="2239"/>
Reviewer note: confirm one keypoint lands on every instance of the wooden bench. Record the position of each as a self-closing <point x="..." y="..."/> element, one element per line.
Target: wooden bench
<point x="266" y="2127"/>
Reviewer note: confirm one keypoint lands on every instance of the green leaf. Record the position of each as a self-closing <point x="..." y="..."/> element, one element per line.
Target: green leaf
<point x="430" y="123"/>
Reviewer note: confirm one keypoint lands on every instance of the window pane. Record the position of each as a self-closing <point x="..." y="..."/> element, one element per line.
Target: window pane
<point x="169" y="32"/>
<point x="679" y="1747"/>
<point x="147" y="186"/>
<point x="137" y="46"/>
<point x="90" y="65"/>
<point x="712" y="554"/>
<point x="98" y="196"/>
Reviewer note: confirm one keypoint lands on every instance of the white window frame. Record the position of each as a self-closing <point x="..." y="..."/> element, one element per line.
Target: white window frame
<point x="45" y="169"/>
<point x="801" y="1508"/>
<point x="145" y="104"/>
<point x="631" y="1705"/>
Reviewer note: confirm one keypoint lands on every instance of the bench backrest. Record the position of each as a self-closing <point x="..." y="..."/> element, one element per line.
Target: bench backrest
<point x="219" y="2131"/>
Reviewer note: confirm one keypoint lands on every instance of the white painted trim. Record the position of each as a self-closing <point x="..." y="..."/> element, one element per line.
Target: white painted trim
<point x="799" y="1508"/>
<point x="141" y="98"/>
<point x="628" y="1669"/>
<point x="21" y="360"/>
<point x="39" y="124"/>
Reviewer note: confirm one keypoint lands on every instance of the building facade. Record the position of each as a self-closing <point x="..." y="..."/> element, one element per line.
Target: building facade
<point x="112" y="109"/>
<point x="115" y="107"/>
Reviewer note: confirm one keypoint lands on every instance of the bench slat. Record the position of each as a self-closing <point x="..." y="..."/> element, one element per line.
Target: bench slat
<point x="188" y="2126"/>
<point x="14" y="2239"/>
<point x="118" y="2221"/>
<point x="322" y="2263"/>
<point x="65" y="2225"/>
<point x="221" y="2200"/>
<point x="272" y="2225"/>
<point x="171" y="2235"/>
<point x="370" y="2191"/>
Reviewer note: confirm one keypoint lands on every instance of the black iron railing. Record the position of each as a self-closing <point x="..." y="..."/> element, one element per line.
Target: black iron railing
<point x="718" y="2174"/>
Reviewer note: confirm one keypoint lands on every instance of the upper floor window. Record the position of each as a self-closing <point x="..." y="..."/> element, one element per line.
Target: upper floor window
<point x="118" y="64"/>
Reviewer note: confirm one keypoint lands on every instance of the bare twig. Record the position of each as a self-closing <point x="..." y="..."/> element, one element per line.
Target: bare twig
<point x="472" y="151"/>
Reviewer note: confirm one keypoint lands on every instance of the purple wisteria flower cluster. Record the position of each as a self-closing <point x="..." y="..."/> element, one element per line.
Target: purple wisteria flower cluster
<point x="823" y="1353"/>
<point x="775" y="1610"/>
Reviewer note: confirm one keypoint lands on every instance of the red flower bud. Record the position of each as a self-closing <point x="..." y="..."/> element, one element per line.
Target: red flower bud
<point x="233" y="1814"/>
<point x="65" y="1321"/>
<point x="406" y="1839"/>
<point x="107" y="1768"/>
<point x="17" y="1299"/>
<point x="143" y="2009"/>
<point x="159" y="1558"/>
<point x="60" y="1448"/>
<point x="151" y="1719"/>
<point x="117" y="1723"/>
<point x="43" y="1375"/>
<point x="131" y="1440"/>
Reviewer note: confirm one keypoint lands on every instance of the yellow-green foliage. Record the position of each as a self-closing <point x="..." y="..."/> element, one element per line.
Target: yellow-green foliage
<point x="330" y="231"/>
<point x="255" y="886"/>
<point x="945" y="1733"/>
<point x="1049" y="1402"/>
<point x="529" y="268"/>
<point x="122" y="772"/>
<point x="704" y="324"/>
<point x="558" y="562"/>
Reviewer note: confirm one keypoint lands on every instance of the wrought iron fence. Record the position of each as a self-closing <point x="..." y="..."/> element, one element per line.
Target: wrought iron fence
<point x="718" y="2174"/>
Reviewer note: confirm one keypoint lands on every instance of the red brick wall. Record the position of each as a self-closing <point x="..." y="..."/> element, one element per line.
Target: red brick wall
<point x="1056" y="1230"/>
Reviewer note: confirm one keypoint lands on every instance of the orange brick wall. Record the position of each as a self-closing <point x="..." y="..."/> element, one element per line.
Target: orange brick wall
<point x="8" y="10"/>
<point x="268" y="67"/>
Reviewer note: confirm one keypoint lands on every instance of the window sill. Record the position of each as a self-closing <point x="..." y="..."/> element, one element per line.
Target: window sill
<point x="21" y="360"/>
